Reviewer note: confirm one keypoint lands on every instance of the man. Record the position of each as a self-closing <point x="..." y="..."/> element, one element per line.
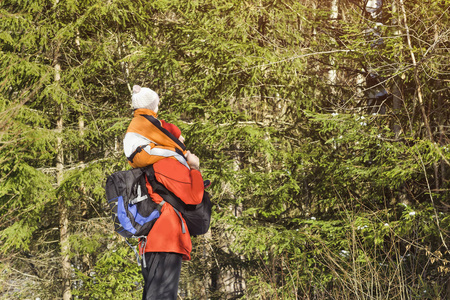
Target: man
<point x="150" y="141"/>
<point x="169" y="242"/>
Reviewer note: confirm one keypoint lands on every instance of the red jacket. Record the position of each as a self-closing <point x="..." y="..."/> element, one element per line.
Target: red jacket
<point x="166" y="234"/>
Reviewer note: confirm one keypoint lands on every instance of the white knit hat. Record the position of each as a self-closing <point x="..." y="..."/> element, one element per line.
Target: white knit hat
<point x="144" y="98"/>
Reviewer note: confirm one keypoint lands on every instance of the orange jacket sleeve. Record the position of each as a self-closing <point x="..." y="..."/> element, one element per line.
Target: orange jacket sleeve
<point x="184" y="183"/>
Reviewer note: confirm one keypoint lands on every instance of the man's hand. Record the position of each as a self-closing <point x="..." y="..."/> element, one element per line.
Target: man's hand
<point x="193" y="160"/>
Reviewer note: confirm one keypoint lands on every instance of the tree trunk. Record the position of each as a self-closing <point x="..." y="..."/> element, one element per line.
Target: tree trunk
<point x="332" y="72"/>
<point x="62" y="207"/>
<point x="416" y="75"/>
<point x="397" y="96"/>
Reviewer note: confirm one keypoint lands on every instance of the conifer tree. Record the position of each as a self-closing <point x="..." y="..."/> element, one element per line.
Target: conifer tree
<point x="59" y="67"/>
<point x="325" y="136"/>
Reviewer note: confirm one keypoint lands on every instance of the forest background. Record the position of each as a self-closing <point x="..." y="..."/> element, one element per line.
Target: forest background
<point x="322" y="124"/>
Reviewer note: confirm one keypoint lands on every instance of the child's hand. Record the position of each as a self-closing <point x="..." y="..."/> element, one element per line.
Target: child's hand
<point x="193" y="160"/>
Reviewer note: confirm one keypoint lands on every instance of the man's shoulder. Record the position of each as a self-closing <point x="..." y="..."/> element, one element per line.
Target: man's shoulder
<point x="170" y="165"/>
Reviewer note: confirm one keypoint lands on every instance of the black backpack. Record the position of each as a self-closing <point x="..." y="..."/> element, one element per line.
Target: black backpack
<point x="133" y="211"/>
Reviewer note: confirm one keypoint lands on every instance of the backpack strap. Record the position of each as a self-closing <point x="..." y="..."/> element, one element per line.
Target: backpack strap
<point x="138" y="150"/>
<point x="139" y="196"/>
<point x="142" y="244"/>
<point x="168" y="197"/>
<point x="134" y="249"/>
<point x="183" y="227"/>
<point x="157" y="124"/>
<point x="161" y="190"/>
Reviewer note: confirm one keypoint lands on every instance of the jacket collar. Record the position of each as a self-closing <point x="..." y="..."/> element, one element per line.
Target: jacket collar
<point x="144" y="111"/>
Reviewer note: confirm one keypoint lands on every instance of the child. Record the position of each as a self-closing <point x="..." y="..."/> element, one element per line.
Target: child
<point x="148" y="139"/>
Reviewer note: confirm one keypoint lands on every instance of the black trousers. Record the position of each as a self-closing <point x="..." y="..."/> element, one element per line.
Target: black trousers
<point x="161" y="275"/>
